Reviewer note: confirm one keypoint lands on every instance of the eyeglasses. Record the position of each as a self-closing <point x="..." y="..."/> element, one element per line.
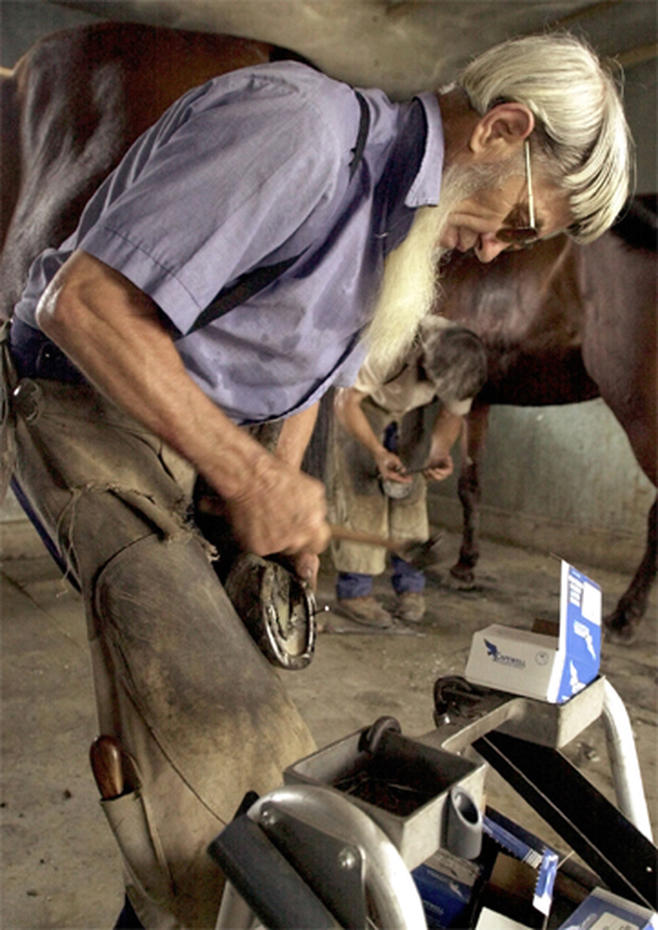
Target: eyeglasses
<point x="522" y="235"/>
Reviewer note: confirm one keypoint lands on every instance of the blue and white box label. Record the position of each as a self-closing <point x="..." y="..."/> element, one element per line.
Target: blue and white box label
<point x="551" y="668"/>
<point x="580" y="634"/>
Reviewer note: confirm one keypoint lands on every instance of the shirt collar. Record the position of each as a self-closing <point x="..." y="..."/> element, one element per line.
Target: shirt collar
<point x="426" y="186"/>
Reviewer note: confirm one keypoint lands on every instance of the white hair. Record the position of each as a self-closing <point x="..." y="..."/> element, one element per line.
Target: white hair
<point x="409" y="284"/>
<point x="581" y="130"/>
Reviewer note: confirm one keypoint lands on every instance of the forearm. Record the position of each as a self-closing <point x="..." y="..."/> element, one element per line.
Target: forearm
<point x="445" y="433"/>
<point x="113" y="333"/>
<point x="352" y="418"/>
<point x="355" y="422"/>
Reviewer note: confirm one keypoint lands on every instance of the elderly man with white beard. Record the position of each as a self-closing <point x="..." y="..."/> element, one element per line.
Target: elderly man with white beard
<point x="267" y="231"/>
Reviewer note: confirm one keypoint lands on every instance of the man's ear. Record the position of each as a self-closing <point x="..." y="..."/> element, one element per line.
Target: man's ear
<point x="505" y="124"/>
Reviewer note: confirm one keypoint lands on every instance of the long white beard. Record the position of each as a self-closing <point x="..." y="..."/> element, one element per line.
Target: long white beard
<point x="409" y="287"/>
<point x="407" y="290"/>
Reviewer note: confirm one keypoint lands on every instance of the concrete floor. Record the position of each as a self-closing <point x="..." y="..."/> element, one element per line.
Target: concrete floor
<point x="59" y="864"/>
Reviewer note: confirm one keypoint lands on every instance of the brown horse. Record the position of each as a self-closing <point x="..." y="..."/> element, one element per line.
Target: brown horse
<point x="72" y="106"/>
<point x="565" y="323"/>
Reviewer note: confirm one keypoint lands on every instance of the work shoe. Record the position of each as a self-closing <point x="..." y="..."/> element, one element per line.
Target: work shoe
<point x="366" y="610"/>
<point x="410" y="606"/>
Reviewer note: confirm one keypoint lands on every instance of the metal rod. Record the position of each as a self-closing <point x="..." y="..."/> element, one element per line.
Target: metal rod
<point x="624" y="761"/>
<point x="388" y="881"/>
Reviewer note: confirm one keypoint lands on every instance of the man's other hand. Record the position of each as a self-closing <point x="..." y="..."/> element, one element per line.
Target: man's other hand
<point x="390" y="467"/>
<point x="440" y="470"/>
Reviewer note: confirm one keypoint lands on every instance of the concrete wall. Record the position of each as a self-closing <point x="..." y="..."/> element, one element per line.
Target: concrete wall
<point x="560" y="478"/>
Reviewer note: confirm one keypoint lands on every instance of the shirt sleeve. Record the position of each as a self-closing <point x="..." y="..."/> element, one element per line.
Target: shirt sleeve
<point x="222" y="182"/>
<point x="458" y="408"/>
<point x="371" y="377"/>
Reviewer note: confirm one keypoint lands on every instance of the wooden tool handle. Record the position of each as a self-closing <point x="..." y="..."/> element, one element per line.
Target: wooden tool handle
<point x="105" y="758"/>
<point x="343" y="532"/>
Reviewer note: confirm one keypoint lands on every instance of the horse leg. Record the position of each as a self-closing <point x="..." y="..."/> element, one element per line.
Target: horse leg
<point x="626" y="374"/>
<point x="469" y="492"/>
<point x="621" y="625"/>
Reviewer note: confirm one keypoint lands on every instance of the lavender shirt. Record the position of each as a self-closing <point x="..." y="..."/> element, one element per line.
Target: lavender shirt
<point x="247" y="170"/>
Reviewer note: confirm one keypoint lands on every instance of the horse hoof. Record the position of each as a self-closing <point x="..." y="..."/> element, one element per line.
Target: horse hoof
<point x="462" y="578"/>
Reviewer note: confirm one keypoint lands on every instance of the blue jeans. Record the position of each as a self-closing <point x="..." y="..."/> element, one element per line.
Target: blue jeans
<point x="405" y="578"/>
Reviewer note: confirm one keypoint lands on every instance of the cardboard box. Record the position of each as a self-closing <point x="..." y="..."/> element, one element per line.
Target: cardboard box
<point x="602" y="910"/>
<point x="536" y="862"/>
<point x="538" y="665"/>
<point x="520" y="883"/>
<point x="446" y="885"/>
<point x="492" y="920"/>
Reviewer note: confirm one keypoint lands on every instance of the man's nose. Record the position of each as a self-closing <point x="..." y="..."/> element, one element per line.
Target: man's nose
<point x="488" y="247"/>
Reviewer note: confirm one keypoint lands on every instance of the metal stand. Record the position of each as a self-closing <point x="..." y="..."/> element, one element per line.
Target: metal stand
<point x="334" y="848"/>
<point x="320" y="834"/>
<point x="463" y="712"/>
<point x="624" y="761"/>
<point x="623" y="858"/>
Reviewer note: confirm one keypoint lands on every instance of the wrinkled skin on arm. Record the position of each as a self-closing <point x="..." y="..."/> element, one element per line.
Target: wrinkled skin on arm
<point x="113" y="333"/>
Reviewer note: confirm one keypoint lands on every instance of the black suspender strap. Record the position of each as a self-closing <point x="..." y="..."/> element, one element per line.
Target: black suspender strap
<point x="362" y="135"/>
<point x="254" y="281"/>
<point x="245" y="287"/>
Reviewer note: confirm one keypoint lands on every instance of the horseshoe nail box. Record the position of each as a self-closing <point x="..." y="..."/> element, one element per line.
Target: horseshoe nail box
<point x="542" y="665"/>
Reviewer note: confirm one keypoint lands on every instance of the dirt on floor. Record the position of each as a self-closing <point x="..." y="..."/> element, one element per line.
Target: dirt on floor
<point x="59" y="865"/>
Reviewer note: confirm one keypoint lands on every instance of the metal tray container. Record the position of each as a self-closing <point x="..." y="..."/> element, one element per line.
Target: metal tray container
<point x="407" y="787"/>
